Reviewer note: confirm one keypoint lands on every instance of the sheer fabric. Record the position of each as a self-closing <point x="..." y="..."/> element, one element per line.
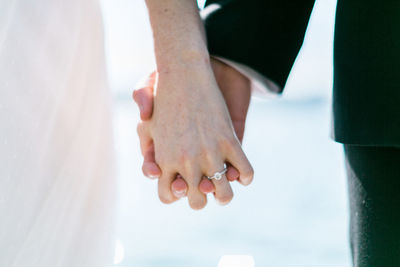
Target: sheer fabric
<point x="57" y="188"/>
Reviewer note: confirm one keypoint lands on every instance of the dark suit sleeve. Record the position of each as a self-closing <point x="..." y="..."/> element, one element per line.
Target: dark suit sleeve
<point x="264" y="35"/>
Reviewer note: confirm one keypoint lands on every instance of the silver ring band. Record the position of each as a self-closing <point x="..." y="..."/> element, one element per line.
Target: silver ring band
<point x="218" y="175"/>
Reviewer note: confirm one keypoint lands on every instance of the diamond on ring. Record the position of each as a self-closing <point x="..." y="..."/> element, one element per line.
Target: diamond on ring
<point x="218" y="175"/>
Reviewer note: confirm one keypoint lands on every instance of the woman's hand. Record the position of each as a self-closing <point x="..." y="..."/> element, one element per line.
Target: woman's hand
<point x="193" y="134"/>
<point x="191" y="128"/>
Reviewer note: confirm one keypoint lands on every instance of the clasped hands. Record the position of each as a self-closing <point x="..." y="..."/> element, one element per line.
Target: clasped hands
<point x="192" y="126"/>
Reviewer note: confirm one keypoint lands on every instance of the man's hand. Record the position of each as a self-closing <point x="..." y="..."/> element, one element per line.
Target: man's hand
<point x="236" y="90"/>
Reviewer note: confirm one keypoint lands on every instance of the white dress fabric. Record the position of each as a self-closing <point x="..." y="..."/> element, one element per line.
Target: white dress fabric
<point x="57" y="187"/>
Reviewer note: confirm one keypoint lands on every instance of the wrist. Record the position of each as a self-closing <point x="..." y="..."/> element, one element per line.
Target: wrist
<point x="189" y="76"/>
<point x="183" y="61"/>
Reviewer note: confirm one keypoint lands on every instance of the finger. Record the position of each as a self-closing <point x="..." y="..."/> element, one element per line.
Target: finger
<point x="143" y="96"/>
<point x="179" y="187"/>
<point x="206" y="186"/>
<point x="144" y="99"/>
<point x="232" y="174"/>
<point x="164" y="187"/>
<point x="145" y="139"/>
<point x="197" y="200"/>
<point x="150" y="168"/>
<point x="223" y="190"/>
<point x="238" y="159"/>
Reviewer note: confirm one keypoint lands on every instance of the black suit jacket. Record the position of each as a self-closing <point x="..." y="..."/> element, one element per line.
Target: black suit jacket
<point x="266" y="35"/>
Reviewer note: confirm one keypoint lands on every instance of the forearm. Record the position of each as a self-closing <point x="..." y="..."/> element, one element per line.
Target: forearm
<point x="179" y="39"/>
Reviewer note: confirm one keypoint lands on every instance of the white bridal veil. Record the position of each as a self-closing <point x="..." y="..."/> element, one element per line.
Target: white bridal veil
<point x="57" y="188"/>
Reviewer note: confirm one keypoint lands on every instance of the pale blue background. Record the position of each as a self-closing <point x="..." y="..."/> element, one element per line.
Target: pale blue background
<point x="294" y="213"/>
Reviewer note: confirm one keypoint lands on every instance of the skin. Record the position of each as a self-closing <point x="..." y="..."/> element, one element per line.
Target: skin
<point x="236" y="90"/>
<point x="190" y="133"/>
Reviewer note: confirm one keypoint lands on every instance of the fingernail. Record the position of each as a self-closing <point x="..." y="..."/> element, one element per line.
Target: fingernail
<point x="153" y="177"/>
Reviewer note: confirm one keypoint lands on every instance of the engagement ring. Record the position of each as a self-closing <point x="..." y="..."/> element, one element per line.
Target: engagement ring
<point x="218" y="175"/>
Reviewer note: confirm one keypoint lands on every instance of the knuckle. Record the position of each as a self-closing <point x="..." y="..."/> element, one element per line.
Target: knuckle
<point x="161" y="160"/>
<point x="186" y="161"/>
<point x="184" y="158"/>
<point x="210" y="160"/>
<point x="228" y="142"/>
<point x="185" y="155"/>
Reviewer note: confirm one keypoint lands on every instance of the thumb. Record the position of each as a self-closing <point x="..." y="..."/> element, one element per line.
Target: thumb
<point x="143" y="96"/>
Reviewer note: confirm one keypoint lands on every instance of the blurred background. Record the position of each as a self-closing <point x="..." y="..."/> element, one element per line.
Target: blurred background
<point x="295" y="211"/>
